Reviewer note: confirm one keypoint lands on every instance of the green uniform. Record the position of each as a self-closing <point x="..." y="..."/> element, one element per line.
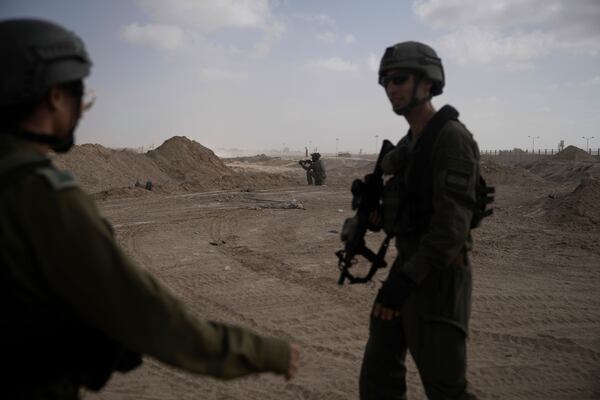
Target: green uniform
<point x="307" y="166"/>
<point x="75" y="307"/>
<point x="318" y="170"/>
<point x="431" y="220"/>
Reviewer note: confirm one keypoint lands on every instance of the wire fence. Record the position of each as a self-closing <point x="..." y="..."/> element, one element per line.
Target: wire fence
<point x="518" y="155"/>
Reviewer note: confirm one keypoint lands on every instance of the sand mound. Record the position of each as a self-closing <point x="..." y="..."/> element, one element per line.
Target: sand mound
<point x="572" y="153"/>
<point x="100" y="169"/>
<point x="582" y="205"/>
<point x="179" y="164"/>
<point x="189" y="162"/>
<point x="495" y="173"/>
<point x="562" y="171"/>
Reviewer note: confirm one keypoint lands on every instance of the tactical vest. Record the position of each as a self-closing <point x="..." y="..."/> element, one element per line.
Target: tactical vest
<point x="69" y="350"/>
<point x="408" y="195"/>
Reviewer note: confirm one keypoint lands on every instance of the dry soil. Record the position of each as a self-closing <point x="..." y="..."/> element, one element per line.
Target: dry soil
<point x="247" y="242"/>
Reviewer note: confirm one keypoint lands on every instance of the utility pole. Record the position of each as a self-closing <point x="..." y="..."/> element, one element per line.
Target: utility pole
<point x="587" y="142"/>
<point x="376" y="138"/>
<point x="533" y="142"/>
<point x="336" y="146"/>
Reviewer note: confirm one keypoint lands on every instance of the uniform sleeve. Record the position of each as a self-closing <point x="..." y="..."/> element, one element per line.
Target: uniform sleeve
<point x="89" y="273"/>
<point x="455" y="168"/>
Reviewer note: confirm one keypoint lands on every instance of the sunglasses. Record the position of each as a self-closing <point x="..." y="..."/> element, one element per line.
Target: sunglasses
<point x="397" y="79"/>
<point x="78" y="91"/>
<point x="75" y="88"/>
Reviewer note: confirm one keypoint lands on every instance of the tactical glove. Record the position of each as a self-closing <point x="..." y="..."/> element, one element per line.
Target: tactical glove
<point x="395" y="290"/>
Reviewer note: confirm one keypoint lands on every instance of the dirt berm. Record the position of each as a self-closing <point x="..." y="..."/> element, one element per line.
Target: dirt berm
<point x="179" y="164"/>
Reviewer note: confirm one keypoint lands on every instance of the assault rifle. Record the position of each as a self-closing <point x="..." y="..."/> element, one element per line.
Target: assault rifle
<point x="306" y="164"/>
<point x="366" y="198"/>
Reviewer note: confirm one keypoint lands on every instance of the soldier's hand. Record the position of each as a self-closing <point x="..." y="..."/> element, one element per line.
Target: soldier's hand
<point x="294" y="361"/>
<point x="375" y="219"/>
<point x="386" y="314"/>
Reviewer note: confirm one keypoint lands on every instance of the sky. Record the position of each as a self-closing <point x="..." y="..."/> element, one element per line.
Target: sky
<point x="274" y="74"/>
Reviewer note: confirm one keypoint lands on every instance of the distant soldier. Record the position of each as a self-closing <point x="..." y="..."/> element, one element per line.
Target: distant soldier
<point x="318" y="169"/>
<point x="149" y="185"/>
<point x="307" y="165"/>
<point x="74" y="307"/>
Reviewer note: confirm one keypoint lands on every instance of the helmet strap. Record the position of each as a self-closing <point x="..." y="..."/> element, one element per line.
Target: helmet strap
<point x="413" y="101"/>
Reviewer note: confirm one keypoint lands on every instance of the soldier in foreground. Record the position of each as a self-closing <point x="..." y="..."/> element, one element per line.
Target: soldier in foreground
<point x="74" y="307"/>
<point x="428" y="205"/>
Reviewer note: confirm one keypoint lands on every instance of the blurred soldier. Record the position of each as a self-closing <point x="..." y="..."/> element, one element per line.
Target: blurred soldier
<point x="318" y="169"/>
<point x="307" y="165"/>
<point x="428" y="205"/>
<point x="74" y="307"/>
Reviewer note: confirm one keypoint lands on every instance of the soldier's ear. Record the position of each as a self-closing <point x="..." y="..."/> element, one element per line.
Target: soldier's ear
<point x="56" y="98"/>
<point x="427" y="85"/>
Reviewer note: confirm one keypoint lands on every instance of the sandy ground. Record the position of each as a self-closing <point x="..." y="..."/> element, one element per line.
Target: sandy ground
<point x="245" y="257"/>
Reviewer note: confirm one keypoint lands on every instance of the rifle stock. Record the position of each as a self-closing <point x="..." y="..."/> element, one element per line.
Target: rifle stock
<point x="366" y="199"/>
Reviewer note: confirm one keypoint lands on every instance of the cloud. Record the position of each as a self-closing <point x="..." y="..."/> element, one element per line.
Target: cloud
<point x="512" y="33"/>
<point x="197" y="19"/>
<point x="332" y="37"/>
<point x="271" y="35"/>
<point x="481" y="46"/>
<point x="209" y="15"/>
<point x="453" y="13"/>
<point x="167" y="37"/>
<point x="349" y="38"/>
<point x="319" y="19"/>
<point x="373" y="62"/>
<point x="335" y="64"/>
<point x="326" y="37"/>
<point x="212" y="74"/>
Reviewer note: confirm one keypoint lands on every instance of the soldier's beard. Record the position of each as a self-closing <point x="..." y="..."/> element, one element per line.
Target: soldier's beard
<point x="407" y="108"/>
<point x="63" y="145"/>
<point x="58" y="145"/>
<point x="402" y="110"/>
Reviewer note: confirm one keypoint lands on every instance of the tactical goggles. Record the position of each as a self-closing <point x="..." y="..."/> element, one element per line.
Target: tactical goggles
<point x="78" y="91"/>
<point x="398" y="79"/>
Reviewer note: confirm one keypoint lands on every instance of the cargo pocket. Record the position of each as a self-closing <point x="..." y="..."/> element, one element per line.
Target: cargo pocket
<point x="445" y="296"/>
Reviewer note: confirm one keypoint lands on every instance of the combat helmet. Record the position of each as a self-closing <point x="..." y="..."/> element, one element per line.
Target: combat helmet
<point x="35" y="56"/>
<point x="316" y="156"/>
<point x="414" y="56"/>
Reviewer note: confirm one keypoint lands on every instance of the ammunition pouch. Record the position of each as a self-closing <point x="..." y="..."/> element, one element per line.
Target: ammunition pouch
<point x="395" y="207"/>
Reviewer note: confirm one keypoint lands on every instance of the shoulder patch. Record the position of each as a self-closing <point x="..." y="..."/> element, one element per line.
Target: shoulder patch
<point x="460" y="165"/>
<point x="59" y="180"/>
<point x="459" y="174"/>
